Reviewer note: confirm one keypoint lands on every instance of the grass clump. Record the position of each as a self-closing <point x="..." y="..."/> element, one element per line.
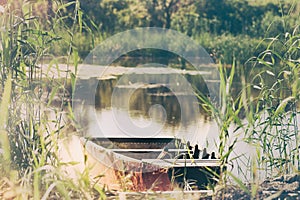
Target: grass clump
<point x="274" y="125"/>
<point x="30" y="165"/>
<point x="265" y="115"/>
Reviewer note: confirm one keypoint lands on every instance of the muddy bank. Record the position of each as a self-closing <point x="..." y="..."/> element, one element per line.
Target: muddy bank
<point x="283" y="187"/>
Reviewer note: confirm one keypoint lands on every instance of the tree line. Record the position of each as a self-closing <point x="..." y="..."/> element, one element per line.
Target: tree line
<point x="228" y="29"/>
<point x="190" y="17"/>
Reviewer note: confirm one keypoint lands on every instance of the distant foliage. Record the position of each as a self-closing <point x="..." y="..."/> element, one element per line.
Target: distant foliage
<point x="192" y="17"/>
<point x="220" y="20"/>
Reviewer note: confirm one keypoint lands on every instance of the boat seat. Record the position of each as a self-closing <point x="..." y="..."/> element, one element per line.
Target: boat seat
<point x="184" y="162"/>
<point x="150" y="150"/>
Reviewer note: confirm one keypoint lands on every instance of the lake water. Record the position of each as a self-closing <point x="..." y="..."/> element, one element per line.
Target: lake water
<point x="152" y="102"/>
<point x="146" y="102"/>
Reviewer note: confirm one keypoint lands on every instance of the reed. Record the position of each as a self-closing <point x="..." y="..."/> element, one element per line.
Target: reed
<point x="30" y="165"/>
<point x="275" y="126"/>
<point x="265" y="111"/>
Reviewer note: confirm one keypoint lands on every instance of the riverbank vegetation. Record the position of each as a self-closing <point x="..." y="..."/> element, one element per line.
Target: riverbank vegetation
<point x="226" y="29"/>
<point x="259" y="41"/>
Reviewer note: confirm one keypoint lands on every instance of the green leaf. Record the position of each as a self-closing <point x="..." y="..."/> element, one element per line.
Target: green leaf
<point x="70" y="163"/>
<point x="80" y="20"/>
<point x="270" y="73"/>
<point x="5" y="103"/>
<point x="100" y="190"/>
<point x="240" y="183"/>
<point x="283" y="104"/>
<point x="52" y="95"/>
<point x="65" y="5"/>
<point x="73" y="81"/>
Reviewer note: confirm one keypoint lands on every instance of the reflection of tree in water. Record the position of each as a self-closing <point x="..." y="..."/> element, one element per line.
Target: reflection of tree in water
<point x="148" y="95"/>
<point x="142" y="100"/>
<point x="104" y="92"/>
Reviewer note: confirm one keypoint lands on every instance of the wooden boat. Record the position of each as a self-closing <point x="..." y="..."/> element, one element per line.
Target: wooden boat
<point x="143" y="164"/>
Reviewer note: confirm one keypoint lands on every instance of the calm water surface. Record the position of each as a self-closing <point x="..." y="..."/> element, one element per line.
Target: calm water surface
<point x="140" y="105"/>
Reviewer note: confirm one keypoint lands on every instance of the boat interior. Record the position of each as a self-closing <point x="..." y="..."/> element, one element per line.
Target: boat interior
<point x="153" y="148"/>
<point x="183" y="161"/>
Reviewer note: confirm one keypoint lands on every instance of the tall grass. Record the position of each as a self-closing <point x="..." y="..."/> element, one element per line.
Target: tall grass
<point x="275" y="126"/>
<point x="225" y="113"/>
<point x="265" y="111"/>
<point x="30" y="164"/>
<point x="5" y="162"/>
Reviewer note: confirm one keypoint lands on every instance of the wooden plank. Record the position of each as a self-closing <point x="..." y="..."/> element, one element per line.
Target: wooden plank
<point x="184" y="162"/>
<point x="149" y="150"/>
<point x="194" y="194"/>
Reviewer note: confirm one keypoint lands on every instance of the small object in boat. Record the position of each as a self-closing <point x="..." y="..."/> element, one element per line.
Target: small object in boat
<point x="205" y="155"/>
<point x="196" y="152"/>
<point x="163" y="154"/>
<point x="190" y="148"/>
<point x="213" y="155"/>
<point x="188" y="144"/>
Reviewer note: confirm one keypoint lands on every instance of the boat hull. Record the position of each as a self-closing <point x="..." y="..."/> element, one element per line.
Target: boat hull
<point x="121" y="167"/>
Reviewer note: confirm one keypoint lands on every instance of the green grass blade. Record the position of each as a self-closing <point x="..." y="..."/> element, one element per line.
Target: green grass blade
<point x="4" y="118"/>
<point x="283" y="104"/>
<point x="239" y="182"/>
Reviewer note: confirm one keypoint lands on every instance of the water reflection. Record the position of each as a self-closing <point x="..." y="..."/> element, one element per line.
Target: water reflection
<point x="154" y="108"/>
<point x="142" y="96"/>
<point x="146" y="96"/>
